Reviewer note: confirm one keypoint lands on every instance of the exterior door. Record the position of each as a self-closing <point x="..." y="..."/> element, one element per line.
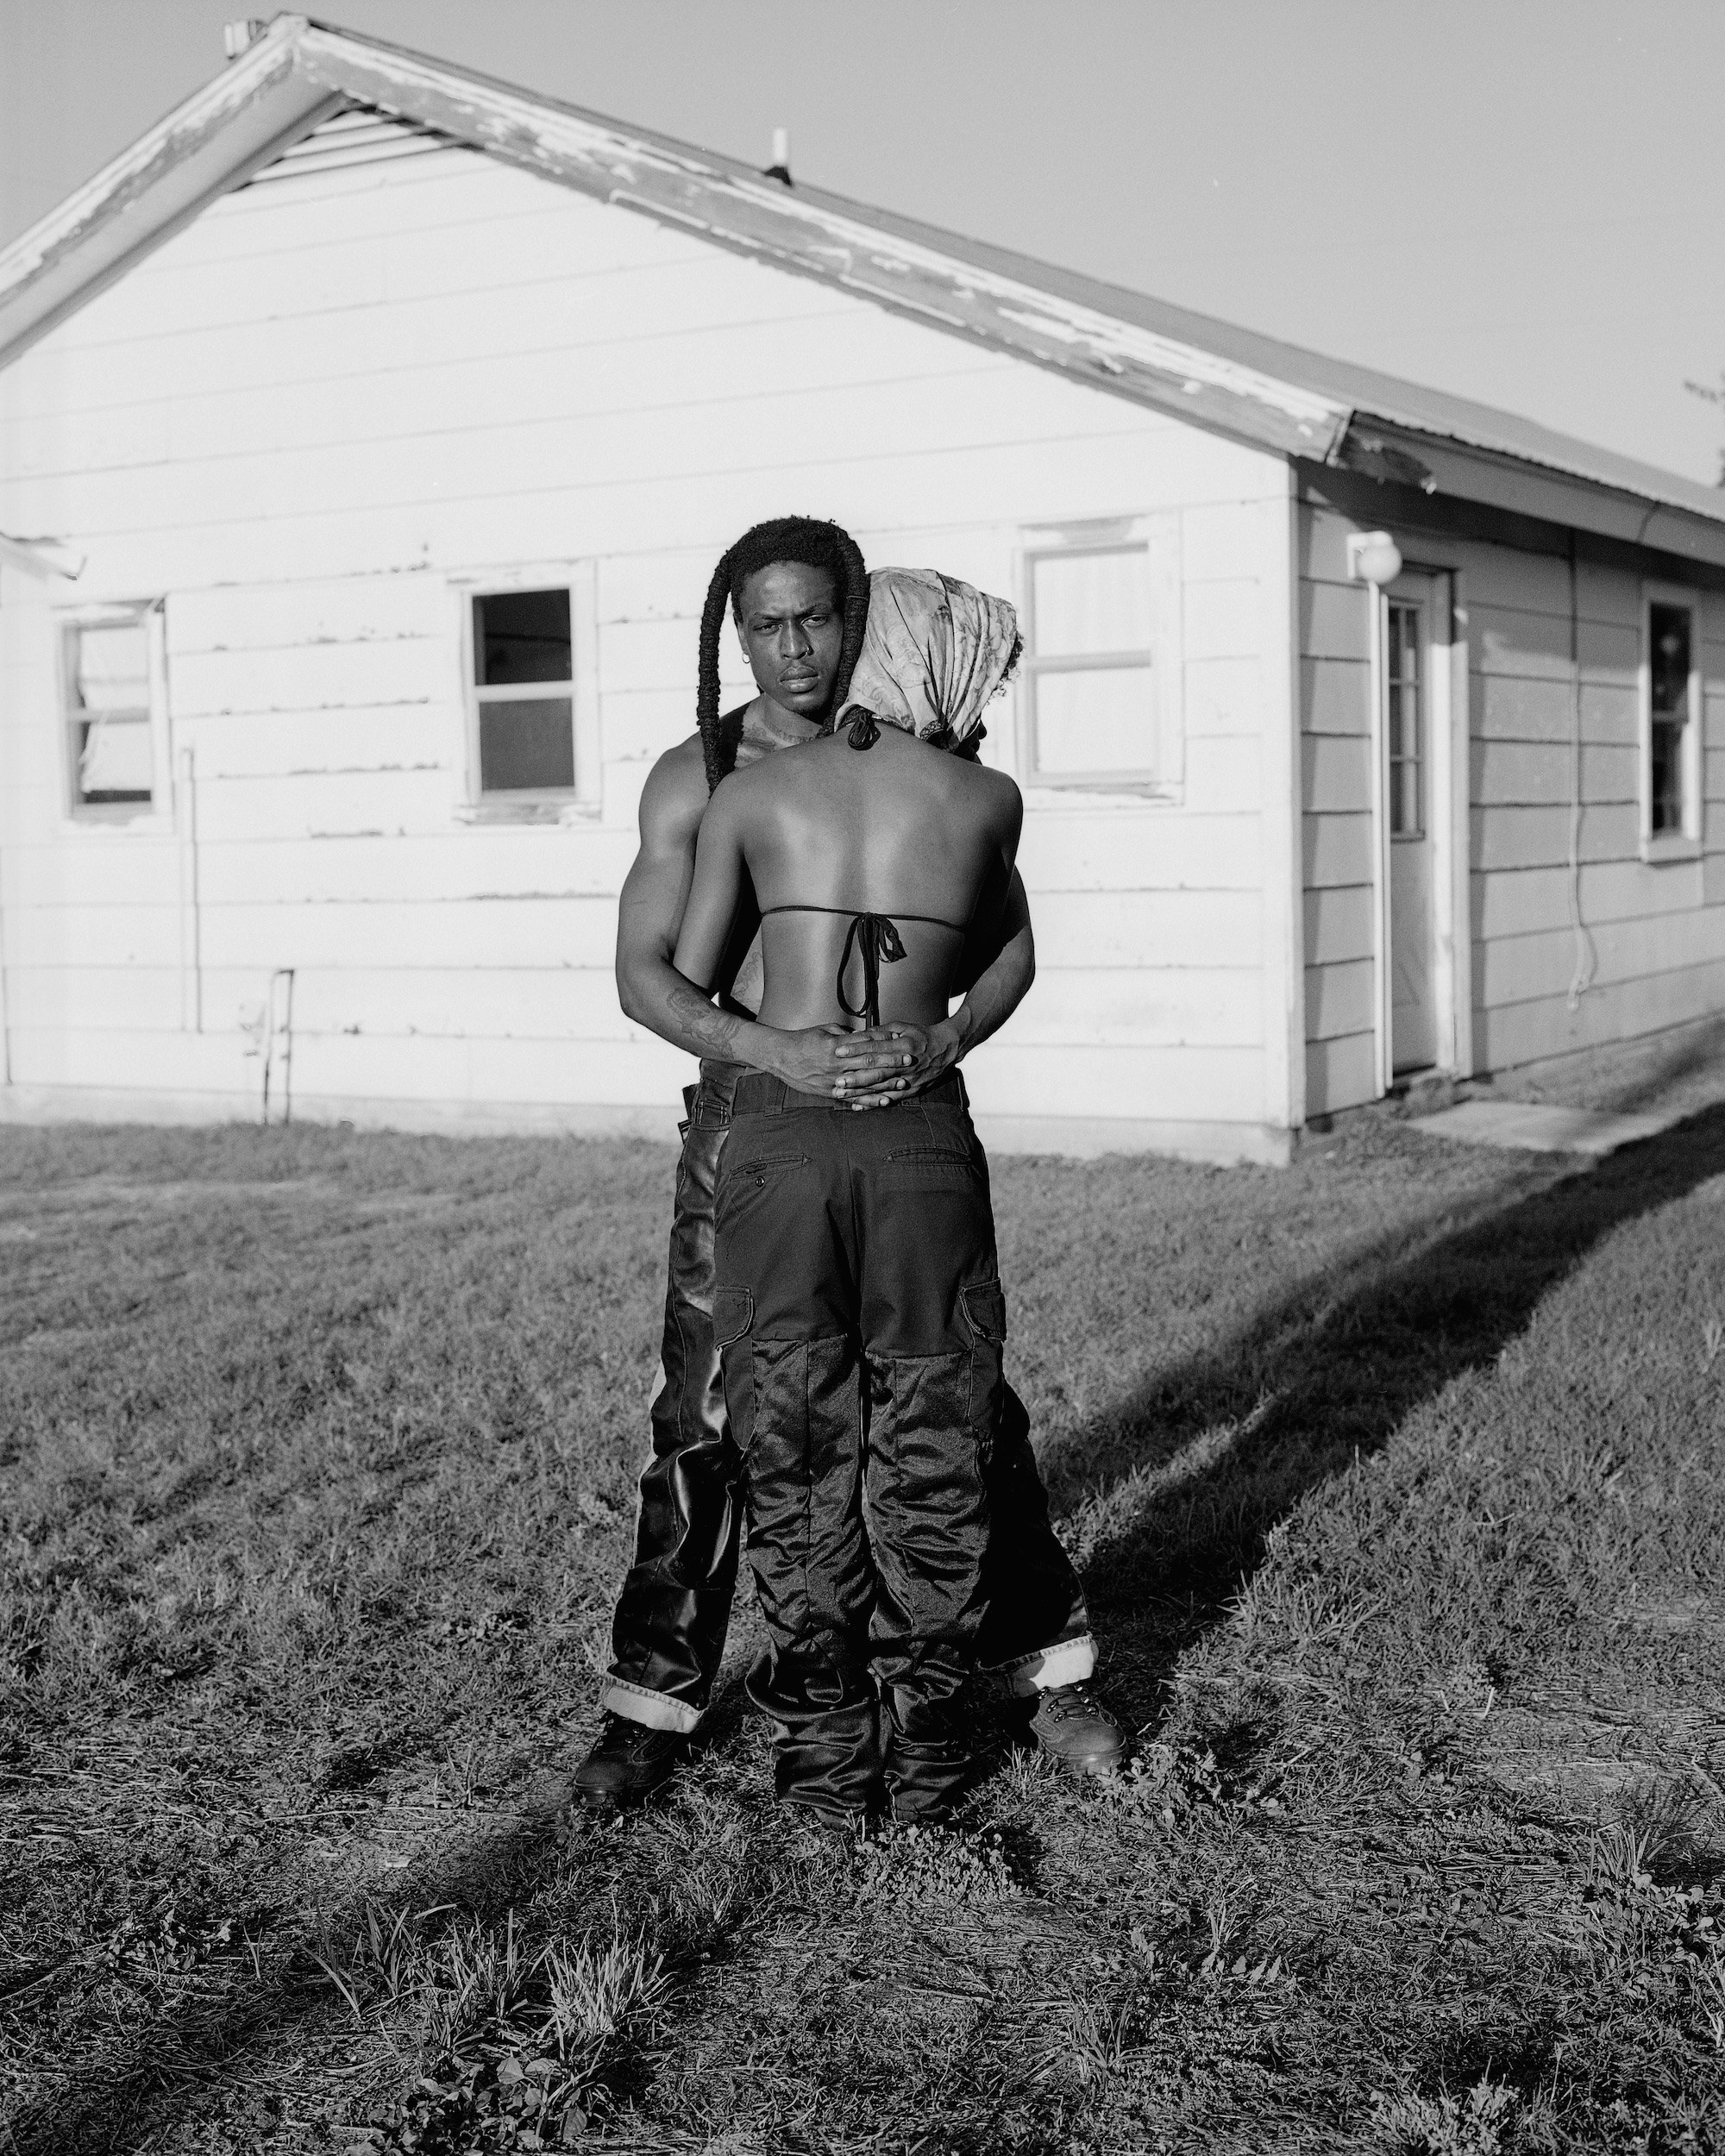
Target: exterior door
<point x="1409" y="739"/>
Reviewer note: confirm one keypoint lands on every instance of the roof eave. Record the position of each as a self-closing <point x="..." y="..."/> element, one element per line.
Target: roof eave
<point x="241" y="120"/>
<point x="1481" y="471"/>
<point x="300" y="72"/>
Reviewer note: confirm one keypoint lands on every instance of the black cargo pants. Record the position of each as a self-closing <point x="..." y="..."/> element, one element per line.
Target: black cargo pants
<point x="669" y="1633"/>
<point x="859" y="1314"/>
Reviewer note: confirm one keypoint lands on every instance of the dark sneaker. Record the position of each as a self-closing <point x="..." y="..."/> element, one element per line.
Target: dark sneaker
<point x="628" y="1764"/>
<point x="1072" y="1725"/>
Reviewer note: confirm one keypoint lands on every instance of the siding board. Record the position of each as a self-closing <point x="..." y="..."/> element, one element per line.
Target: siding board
<point x="1335" y="621"/>
<point x="1337" y="849"/>
<point x="1339" y="1000"/>
<point x="1335" y="696"/>
<point x="1339" y="1074"/>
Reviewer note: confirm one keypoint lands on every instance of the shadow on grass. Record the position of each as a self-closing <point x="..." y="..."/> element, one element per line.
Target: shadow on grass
<point x="129" y="2100"/>
<point x="1321" y="1377"/>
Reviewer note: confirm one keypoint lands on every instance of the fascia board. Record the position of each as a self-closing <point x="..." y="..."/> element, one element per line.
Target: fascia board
<point x="262" y="103"/>
<point x="1472" y="474"/>
<point x="771" y="223"/>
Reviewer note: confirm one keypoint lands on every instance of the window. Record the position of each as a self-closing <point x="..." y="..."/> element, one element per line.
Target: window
<point x="112" y="677"/>
<point x="1100" y="703"/>
<point x="1402" y="685"/>
<point x="524" y="690"/>
<point x="1670" y="704"/>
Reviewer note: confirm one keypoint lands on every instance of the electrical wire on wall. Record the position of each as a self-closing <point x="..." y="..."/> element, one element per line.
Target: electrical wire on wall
<point x="1581" y="977"/>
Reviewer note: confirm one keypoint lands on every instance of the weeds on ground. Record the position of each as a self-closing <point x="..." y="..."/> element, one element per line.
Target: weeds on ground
<point x="1396" y="1481"/>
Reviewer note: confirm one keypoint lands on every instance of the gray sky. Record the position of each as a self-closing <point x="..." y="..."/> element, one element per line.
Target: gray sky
<point x="1519" y="200"/>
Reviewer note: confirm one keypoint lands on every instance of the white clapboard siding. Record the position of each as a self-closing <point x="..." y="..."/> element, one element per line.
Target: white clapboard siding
<point x="1335" y="695"/>
<point x="1339" y="925"/>
<point x="1337" y="849"/>
<point x="1532" y="775"/>
<point x="1523" y="902"/>
<point x="1173" y="1006"/>
<point x="1652" y="941"/>
<point x="1222" y="777"/>
<point x="337" y="401"/>
<point x="1332" y="628"/>
<point x="546" y="388"/>
<point x="1339" y="1074"/>
<point x="1214" y="1085"/>
<point x="1133" y="928"/>
<point x="479" y="862"/>
<point x="1339" y="999"/>
<point x="545" y="517"/>
<point x="1140" y="848"/>
<point x="1536" y="837"/>
<point x="1523" y="968"/>
<point x="1528" y="1033"/>
<point x="1224" y="697"/>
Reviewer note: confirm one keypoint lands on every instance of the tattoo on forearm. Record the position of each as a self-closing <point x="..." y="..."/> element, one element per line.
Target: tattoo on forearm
<point x="715" y="1029"/>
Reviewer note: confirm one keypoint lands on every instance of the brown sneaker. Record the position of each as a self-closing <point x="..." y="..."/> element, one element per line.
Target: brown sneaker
<point x="628" y="1764"/>
<point x="1072" y="1725"/>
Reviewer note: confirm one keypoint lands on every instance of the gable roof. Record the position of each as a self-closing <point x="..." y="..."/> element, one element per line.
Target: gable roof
<point x="299" y="73"/>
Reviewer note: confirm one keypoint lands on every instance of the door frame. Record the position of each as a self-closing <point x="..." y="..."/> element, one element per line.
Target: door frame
<point x="1437" y="589"/>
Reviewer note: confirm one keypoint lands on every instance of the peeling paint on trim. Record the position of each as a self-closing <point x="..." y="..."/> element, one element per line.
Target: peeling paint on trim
<point x="300" y="72"/>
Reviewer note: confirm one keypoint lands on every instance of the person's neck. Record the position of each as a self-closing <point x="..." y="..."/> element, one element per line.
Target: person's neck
<point x="767" y="720"/>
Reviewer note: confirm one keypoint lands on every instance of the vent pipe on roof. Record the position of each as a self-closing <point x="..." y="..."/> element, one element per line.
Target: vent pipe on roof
<point x="780" y="169"/>
<point x="237" y="36"/>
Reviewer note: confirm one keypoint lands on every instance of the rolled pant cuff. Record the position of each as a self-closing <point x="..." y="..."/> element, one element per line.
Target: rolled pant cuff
<point x="1067" y="1662"/>
<point x="657" y="1710"/>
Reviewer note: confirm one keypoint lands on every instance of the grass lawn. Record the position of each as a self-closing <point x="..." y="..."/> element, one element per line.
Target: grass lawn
<point x="1398" y="1484"/>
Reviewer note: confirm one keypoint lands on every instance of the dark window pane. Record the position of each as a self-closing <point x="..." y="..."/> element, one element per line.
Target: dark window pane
<point x="522" y="637"/>
<point x="1668" y="631"/>
<point x="1667" y="775"/>
<point x="531" y="744"/>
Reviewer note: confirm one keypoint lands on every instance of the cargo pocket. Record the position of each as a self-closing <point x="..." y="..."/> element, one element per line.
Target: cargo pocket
<point x="985" y="1313"/>
<point x="733" y="1312"/>
<point x="733" y="1318"/>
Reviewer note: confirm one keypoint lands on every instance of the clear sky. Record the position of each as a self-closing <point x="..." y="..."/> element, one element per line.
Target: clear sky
<point x="1518" y="200"/>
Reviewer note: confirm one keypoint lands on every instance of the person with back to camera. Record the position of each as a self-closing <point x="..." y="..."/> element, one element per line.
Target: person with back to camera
<point x="798" y="590"/>
<point x="857" y="1302"/>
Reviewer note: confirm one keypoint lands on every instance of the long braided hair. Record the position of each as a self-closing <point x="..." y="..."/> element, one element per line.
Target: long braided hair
<point x="808" y="540"/>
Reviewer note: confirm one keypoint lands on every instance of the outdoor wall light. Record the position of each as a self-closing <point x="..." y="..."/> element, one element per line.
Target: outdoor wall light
<point x="1373" y="557"/>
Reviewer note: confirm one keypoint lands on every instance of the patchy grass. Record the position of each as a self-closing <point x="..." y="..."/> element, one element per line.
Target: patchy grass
<point x="1397" y="1481"/>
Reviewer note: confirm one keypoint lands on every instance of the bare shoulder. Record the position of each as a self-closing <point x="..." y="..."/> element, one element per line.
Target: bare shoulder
<point x="675" y="798"/>
<point x="1001" y="792"/>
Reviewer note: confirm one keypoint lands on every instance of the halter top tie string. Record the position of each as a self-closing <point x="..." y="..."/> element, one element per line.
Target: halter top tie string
<point x="875" y="940"/>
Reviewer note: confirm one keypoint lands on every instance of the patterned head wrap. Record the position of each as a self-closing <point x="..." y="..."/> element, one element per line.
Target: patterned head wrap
<point x="935" y="654"/>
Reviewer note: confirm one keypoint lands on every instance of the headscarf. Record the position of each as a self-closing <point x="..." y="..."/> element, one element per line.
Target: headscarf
<point x="935" y="654"/>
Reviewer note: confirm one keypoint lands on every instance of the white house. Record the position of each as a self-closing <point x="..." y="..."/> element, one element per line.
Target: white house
<point x="370" y="429"/>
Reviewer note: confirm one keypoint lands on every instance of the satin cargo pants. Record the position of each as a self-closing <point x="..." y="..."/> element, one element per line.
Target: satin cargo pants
<point x="668" y="1632"/>
<point x="859" y="1314"/>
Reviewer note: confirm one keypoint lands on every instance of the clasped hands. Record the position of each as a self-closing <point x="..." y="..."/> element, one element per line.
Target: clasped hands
<point x="869" y="1069"/>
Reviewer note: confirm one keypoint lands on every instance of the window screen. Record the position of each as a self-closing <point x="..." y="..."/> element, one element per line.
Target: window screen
<point x="1090" y="666"/>
<point x="108" y="685"/>
<point x="523" y="682"/>
<point x="1670" y="637"/>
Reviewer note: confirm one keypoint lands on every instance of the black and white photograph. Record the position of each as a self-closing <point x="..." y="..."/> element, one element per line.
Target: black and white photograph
<point x="863" y="1078"/>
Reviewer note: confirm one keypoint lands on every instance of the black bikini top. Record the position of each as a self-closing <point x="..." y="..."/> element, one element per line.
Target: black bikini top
<point x="874" y="936"/>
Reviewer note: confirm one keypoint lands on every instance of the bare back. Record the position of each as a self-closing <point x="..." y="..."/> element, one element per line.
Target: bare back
<point x="825" y="833"/>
